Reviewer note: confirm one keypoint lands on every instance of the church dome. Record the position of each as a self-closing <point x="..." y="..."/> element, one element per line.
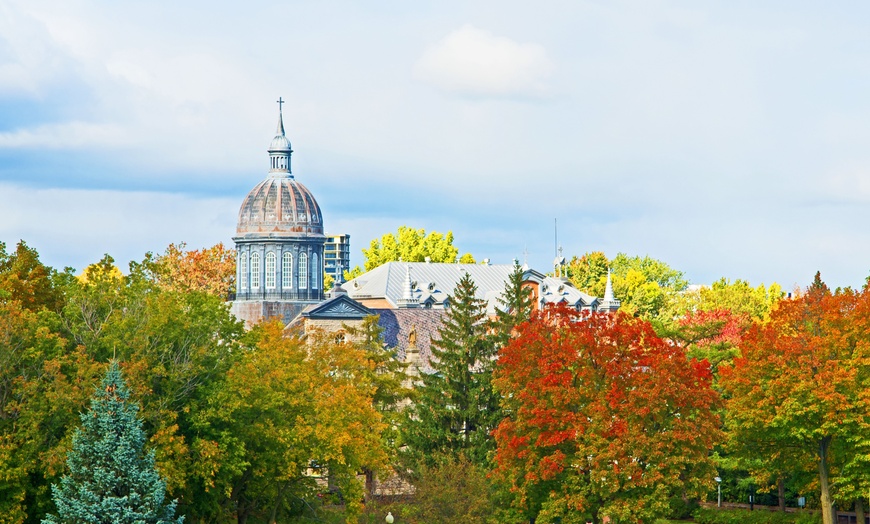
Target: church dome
<point x="279" y="207"/>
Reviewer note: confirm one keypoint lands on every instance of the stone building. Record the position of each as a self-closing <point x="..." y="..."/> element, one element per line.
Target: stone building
<point x="279" y="242"/>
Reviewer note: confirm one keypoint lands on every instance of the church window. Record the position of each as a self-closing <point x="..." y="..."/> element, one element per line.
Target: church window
<point x="315" y="271"/>
<point x="287" y="271"/>
<point x="270" y="270"/>
<point x="243" y="271"/>
<point x="303" y="271"/>
<point x="255" y="271"/>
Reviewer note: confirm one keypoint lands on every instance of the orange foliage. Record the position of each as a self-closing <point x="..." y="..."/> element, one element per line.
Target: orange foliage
<point x="605" y="418"/>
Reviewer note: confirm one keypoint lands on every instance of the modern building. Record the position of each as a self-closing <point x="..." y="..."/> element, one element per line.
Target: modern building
<point x="279" y="242"/>
<point x="336" y="255"/>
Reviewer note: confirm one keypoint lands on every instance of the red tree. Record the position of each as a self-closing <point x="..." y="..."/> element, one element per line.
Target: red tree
<point x="604" y="418"/>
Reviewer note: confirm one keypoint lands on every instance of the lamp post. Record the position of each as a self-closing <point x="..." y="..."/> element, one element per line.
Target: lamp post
<point x="390" y="519"/>
<point x="719" y="490"/>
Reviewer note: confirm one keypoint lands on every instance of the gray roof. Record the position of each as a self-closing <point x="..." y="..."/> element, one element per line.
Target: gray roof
<point x="435" y="282"/>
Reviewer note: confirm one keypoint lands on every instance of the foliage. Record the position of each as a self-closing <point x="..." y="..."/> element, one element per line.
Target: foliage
<point x="604" y="419"/>
<point x="286" y="404"/>
<point x="111" y="478"/>
<point x="456" y="407"/>
<point x="799" y="389"/>
<point x="645" y="286"/>
<point x="210" y="270"/>
<point x="514" y="307"/>
<point x="452" y="490"/>
<point x="411" y="245"/>
<point x="25" y="279"/>
<point x="738" y="297"/>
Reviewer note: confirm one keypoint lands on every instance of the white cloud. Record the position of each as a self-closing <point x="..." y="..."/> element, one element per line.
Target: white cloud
<point x="473" y="61"/>
<point x="67" y="135"/>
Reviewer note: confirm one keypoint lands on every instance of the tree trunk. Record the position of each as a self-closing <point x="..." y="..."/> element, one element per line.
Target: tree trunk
<point x="370" y="485"/>
<point x="278" y="499"/>
<point x="780" y="486"/>
<point x="859" y="511"/>
<point x="828" y="515"/>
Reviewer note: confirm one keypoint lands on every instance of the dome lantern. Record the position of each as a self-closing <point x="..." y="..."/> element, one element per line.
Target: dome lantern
<point x="279" y="149"/>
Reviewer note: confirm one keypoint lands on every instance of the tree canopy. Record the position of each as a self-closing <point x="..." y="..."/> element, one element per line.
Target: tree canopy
<point x="410" y="245"/>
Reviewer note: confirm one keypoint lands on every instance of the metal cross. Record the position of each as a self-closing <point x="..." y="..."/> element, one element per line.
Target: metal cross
<point x="280" y="103"/>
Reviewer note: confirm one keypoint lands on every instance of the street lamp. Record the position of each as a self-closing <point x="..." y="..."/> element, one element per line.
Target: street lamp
<point x="390" y="518"/>
<point x="719" y="489"/>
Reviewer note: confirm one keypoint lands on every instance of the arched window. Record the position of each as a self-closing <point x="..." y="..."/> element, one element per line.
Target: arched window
<point x="315" y="272"/>
<point x="303" y="271"/>
<point x="243" y="271"/>
<point x="287" y="271"/>
<point x="271" y="260"/>
<point x="255" y="271"/>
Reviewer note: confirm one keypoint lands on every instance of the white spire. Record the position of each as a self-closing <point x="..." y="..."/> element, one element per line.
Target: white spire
<point x="408" y="300"/>
<point x="609" y="302"/>
<point x="608" y="288"/>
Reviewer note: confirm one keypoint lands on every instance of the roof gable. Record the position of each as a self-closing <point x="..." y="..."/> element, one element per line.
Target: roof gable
<point x="340" y="307"/>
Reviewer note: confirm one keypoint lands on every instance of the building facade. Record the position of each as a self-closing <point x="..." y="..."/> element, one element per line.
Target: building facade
<point x="336" y="255"/>
<point x="279" y="242"/>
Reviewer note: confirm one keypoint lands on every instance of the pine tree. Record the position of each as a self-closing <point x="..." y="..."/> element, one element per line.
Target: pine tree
<point x="111" y="478"/>
<point x="456" y="407"/>
<point x="515" y="307"/>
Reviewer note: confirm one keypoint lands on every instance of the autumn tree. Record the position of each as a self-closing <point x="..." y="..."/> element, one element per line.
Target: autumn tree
<point x="800" y="386"/>
<point x="285" y="405"/>
<point x="25" y="279"/>
<point x="604" y="418"/>
<point x="210" y="270"/>
<point x="111" y="478"/>
<point x="456" y="408"/>
<point x="410" y="245"/>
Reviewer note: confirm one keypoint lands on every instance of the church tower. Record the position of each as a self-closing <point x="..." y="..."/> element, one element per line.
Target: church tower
<point x="279" y="242"/>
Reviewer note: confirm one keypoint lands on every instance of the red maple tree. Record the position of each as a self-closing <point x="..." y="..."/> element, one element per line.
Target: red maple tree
<point x="604" y="418"/>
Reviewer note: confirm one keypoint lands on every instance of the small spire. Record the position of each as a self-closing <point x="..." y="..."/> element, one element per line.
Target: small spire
<point x="279" y="149"/>
<point x="408" y="300"/>
<point x="608" y="288"/>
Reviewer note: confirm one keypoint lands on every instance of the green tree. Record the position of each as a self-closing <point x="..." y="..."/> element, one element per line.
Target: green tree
<point x="410" y="245"/>
<point x="514" y="307"/>
<point x="456" y="407"/>
<point x="111" y="478"/>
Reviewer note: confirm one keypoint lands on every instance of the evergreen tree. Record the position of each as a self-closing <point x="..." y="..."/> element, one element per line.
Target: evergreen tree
<point x="456" y="407"/>
<point x="111" y="479"/>
<point x="515" y="307"/>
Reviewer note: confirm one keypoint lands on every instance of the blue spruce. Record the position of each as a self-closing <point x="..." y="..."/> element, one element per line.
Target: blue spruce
<point x="111" y="478"/>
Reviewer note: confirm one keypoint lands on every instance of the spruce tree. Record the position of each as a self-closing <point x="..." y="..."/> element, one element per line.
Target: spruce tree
<point x="111" y="478"/>
<point x="515" y="307"/>
<point x="456" y="407"/>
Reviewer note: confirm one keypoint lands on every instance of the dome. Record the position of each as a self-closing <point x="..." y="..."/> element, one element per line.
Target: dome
<point x="279" y="207"/>
<point x="280" y="143"/>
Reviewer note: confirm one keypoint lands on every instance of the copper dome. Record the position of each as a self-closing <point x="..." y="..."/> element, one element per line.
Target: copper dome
<point x="279" y="207"/>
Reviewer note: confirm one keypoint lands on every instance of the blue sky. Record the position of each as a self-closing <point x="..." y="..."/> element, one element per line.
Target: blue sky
<point x="725" y="138"/>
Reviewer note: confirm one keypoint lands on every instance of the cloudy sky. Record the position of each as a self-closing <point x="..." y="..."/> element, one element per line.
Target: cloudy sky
<point x="725" y="138"/>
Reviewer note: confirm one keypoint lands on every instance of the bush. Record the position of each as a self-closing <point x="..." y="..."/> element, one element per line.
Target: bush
<point x="681" y="509"/>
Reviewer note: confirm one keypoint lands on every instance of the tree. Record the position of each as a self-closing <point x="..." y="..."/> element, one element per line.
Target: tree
<point x="800" y="384"/>
<point x="210" y="270"/>
<point x="111" y="478"/>
<point x="645" y="286"/>
<point x="515" y="307"/>
<point x="603" y="418"/>
<point x="25" y="279"/>
<point x="410" y="245"/>
<point x="286" y="404"/>
<point x="456" y="408"/>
